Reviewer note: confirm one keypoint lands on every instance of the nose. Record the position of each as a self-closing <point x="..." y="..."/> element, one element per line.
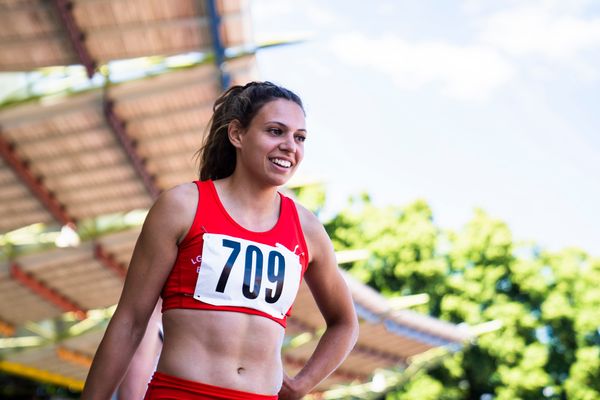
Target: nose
<point x="288" y="144"/>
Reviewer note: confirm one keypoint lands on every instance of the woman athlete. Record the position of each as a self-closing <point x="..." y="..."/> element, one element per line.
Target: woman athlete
<point x="226" y="254"/>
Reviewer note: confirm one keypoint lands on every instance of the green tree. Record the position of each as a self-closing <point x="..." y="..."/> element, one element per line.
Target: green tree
<point x="548" y="304"/>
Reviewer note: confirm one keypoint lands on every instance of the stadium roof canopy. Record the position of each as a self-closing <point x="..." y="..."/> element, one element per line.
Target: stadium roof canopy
<point x="112" y="149"/>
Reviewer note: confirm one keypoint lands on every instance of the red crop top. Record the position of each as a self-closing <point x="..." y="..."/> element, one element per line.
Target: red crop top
<point x="222" y="266"/>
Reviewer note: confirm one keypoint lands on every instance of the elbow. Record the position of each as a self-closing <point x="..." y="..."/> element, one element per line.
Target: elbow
<point x="352" y="328"/>
<point x="348" y="328"/>
<point x="129" y="322"/>
<point x="351" y="331"/>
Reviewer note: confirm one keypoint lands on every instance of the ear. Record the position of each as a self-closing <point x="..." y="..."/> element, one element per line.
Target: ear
<point x="235" y="132"/>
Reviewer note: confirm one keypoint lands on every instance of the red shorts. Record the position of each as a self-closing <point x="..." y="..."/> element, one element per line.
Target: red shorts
<point x="167" y="387"/>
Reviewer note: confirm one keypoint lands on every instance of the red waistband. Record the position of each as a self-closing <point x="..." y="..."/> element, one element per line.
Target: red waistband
<point x="164" y="386"/>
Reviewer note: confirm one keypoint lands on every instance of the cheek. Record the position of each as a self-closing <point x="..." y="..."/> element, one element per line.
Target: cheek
<point x="300" y="154"/>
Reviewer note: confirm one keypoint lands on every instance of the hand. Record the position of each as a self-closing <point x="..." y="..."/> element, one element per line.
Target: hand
<point x="289" y="389"/>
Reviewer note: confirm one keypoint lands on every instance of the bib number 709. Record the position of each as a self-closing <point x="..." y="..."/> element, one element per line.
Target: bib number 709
<point x="253" y="271"/>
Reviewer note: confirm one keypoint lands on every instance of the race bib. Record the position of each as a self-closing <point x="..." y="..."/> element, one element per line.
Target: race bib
<point x="243" y="273"/>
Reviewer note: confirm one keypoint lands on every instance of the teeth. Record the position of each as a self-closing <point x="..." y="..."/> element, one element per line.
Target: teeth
<point x="282" y="163"/>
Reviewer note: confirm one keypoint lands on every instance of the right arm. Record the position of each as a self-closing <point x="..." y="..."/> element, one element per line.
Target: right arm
<point x="154" y="254"/>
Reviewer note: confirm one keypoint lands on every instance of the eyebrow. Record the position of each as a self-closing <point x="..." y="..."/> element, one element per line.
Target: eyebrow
<point x="284" y="125"/>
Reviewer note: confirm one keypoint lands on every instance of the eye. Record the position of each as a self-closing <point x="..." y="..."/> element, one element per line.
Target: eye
<point x="275" y="131"/>
<point x="301" y="138"/>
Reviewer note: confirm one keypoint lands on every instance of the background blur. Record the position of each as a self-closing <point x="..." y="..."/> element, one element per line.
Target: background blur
<point x="452" y="156"/>
<point x="466" y="104"/>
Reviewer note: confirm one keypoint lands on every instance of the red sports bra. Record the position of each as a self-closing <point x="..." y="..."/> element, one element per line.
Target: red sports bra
<point x="222" y="266"/>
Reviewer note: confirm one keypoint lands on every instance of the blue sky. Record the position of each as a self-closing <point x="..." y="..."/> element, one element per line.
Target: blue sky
<point x="490" y="104"/>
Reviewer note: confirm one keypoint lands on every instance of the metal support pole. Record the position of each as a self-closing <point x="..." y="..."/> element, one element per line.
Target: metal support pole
<point x="217" y="43"/>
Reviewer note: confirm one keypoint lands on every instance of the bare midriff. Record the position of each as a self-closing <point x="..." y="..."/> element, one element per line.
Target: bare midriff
<point x="221" y="348"/>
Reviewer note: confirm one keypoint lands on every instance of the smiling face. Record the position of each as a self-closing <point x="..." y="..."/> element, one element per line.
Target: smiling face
<point x="272" y="146"/>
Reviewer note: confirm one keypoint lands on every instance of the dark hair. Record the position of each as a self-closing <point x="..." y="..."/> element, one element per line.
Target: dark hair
<point x="217" y="154"/>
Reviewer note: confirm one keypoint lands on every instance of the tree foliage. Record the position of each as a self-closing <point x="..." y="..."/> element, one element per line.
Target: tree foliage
<point x="548" y="303"/>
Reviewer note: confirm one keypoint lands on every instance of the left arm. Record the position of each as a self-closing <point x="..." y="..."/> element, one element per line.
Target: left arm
<point x="335" y="303"/>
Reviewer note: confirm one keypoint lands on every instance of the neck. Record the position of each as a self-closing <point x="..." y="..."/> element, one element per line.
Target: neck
<point x="255" y="207"/>
<point x="250" y="191"/>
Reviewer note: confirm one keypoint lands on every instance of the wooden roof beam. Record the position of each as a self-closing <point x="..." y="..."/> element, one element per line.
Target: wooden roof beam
<point x="423" y="337"/>
<point x="47" y="293"/>
<point x="129" y="146"/>
<point x="33" y="183"/>
<point x="338" y="373"/>
<point x="368" y="351"/>
<point x="358" y="347"/>
<point x="404" y="330"/>
<point x="74" y="357"/>
<point x="76" y="36"/>
<point x="179" y="23"/>
<point x="107" y="260"/>
<point x="6" y="329"/>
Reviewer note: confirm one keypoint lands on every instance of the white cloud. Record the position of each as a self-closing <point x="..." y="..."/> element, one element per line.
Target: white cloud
<point x="288" y="20"/>
<point x="509" y="39"/>
<point x="544" y="29"/>
<point x="463" y="72"/>
<point x="271" y="21"/>
<point x="321" y="16"/>
<point x="263" y="10"/>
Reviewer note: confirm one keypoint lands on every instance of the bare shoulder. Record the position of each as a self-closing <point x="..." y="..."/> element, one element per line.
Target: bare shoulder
<point x="316" y="237"/>
<point x="181" y="196"/>
<point x="311" y="226"/>
<point x="175" y="208"/>
<point x="179" y="199"/>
